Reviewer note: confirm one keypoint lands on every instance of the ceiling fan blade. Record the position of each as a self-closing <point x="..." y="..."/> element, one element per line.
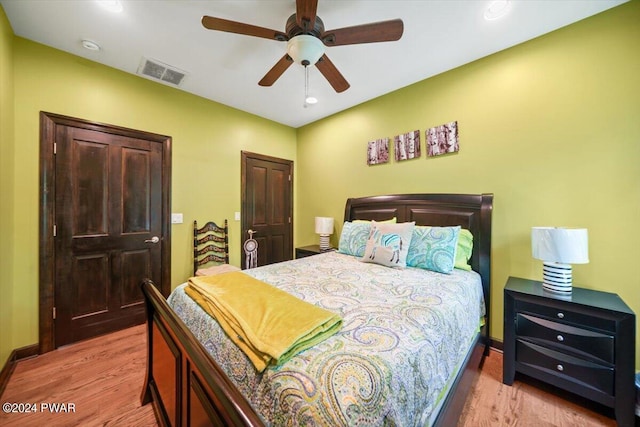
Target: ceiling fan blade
<point x="385" y="31"/>
<point x="306" y="13"/>
<point x="220" y="24"/>
<point x="331" y="73"/>
<point x="276" y="71"/>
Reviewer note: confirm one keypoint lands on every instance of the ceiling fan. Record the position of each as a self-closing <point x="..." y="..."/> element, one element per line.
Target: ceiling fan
<point x="306" y="39"/>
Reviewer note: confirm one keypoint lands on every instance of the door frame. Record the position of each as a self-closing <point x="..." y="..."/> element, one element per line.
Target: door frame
<point x="244" y="223"/>
<point x="48" y="123"/>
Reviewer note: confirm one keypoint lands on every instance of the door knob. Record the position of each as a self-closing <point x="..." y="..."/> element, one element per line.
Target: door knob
<point x="154" y="239"/>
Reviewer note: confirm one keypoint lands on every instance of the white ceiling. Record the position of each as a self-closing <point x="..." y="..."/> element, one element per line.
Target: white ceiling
<point x="226" y="68"/>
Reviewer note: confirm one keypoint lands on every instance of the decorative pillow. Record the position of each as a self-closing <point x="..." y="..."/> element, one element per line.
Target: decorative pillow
<point x="388" y="243"/>
<point x="433" y="248"/>
<point x="353" y="238"/>
<point x="464" y="250"/>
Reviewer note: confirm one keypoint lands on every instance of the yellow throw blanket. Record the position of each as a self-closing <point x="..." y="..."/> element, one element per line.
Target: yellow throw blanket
<point x="268" y="324"/>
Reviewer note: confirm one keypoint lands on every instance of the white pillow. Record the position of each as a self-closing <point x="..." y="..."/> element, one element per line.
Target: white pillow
<point x="388" y="244"/>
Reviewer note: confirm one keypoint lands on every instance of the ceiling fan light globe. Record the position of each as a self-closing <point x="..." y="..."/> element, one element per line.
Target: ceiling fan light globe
<point x="305" y="49"/>
<point x="311" y="100"/>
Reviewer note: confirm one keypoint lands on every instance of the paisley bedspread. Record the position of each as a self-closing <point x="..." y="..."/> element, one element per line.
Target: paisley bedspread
<point x="405" y="333"/>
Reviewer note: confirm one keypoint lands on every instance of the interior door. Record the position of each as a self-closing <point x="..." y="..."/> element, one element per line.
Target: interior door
<point x="110" y="227"/>
<point x="267" y="206"/>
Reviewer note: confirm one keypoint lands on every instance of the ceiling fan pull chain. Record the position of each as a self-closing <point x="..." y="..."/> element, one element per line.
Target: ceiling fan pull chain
<point x="308" y="100"/>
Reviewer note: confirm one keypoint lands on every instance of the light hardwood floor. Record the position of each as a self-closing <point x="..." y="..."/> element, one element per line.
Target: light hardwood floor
<point x="103" y="378"/>
<point x="525" y="403"/>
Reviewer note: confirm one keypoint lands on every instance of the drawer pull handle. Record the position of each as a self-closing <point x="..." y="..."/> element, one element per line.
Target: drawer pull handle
<point x="560" y="315"/>
<point x="560" y="368"/>
<point x="560" y="338"/>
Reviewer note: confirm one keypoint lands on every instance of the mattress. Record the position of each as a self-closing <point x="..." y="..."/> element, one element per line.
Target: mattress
<point x="405" y="333"/>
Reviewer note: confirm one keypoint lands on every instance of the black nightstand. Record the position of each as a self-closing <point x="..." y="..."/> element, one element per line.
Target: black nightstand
<point x="584" y="343"/>
<point x="305" y="251"/>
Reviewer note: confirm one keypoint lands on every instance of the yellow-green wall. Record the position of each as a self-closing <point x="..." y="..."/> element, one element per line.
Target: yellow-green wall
<point x="207" y="139"/>
<point x="6" y="186"/>
<point x="551" y="127"/>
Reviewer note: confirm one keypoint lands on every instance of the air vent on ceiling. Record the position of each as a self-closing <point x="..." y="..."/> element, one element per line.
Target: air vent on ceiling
<point x="159" y="71"/>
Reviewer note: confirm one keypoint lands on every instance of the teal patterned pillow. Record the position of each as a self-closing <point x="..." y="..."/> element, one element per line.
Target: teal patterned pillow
<point x="353" y="238"/>
<point x="433" y="248"/>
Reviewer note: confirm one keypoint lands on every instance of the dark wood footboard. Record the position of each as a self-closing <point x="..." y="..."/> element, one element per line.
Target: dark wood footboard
<point x="186" y="386"/>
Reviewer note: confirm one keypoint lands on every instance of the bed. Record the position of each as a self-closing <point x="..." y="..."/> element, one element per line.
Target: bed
<point x="368" y="373"/>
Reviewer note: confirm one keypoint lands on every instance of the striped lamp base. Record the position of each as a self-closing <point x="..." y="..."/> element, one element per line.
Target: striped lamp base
<point x="324" y="242"/>
<point x="557" y="277"/>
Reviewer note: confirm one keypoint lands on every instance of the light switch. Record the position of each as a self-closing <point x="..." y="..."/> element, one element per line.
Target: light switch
<point x="176" y="218"/>
<point x="237" y="216"/>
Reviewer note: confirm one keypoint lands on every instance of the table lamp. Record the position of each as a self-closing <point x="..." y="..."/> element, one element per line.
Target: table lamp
<point x="324" y="227"/>
<point x="558" y="248"/>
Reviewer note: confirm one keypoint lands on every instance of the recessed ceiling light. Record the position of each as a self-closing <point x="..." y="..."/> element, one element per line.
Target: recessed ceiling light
<point x="88" y="44"/>
<point x="497" y="9"/>
<point x="111" y="5"/>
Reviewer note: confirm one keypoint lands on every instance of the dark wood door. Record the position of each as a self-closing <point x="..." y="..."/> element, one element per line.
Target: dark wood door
<point x="108" y="230"/>
<point x="267" y="206"/>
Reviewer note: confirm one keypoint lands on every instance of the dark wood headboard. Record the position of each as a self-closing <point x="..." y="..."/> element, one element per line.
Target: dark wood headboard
<point x="470" y="211"/>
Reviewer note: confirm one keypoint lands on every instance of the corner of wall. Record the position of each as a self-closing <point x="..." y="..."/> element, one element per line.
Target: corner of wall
<point x="6" y="185"/>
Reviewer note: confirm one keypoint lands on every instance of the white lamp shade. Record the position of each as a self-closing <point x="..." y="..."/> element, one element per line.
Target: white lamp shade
<point x="324" y="225"/>
<point x="305" y="49"/>
<point x="561" y="245"/>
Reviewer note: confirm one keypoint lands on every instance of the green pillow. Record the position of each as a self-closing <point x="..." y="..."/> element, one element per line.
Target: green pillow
<point x="464" y="249"/>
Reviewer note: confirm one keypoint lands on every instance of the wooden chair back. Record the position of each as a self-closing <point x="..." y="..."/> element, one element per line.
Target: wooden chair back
<point x="210" y="244"/>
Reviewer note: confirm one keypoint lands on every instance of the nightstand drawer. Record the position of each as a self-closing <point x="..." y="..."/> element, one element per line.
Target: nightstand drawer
<point x="567" y="316"/>
<point x="579" y="341"/>
<point x="579" y="371"/>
